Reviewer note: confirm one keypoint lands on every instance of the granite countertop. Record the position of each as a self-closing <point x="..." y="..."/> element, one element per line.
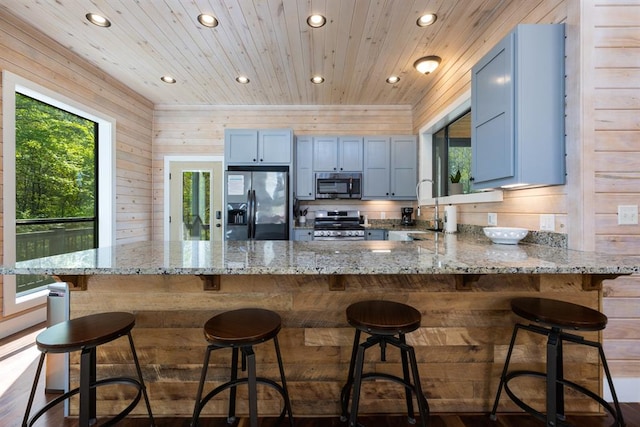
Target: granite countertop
<point x="436" y="254"/>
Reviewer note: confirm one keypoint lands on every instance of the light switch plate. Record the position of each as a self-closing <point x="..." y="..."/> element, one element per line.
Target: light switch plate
<point x="492" y="219"/>
<point x="627" y="214"/>
<point x="383" y="215"/>
<point x="547" y="222"/>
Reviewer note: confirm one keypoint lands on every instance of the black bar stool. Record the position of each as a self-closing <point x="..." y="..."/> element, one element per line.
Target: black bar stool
<point x="555" y="316"/>
<point x="241" y="330"/>
<point x="85" y="334"/>
<point x="387" y="323"/>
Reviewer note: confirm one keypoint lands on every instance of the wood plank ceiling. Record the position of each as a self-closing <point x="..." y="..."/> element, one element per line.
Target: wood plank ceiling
<point x="363" y="43"/>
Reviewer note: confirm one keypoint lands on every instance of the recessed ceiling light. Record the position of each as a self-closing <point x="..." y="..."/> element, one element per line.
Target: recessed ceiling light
<point x="168" y="79"/>
<point x="316" y="80"/>
<point x="393" y="79"/>
<point x="316" y="21"/>
<point x="98" y="20"/>
<point x="207" y="20"/>
<point x="242" y="79"/>
<point x="426" y="20"/>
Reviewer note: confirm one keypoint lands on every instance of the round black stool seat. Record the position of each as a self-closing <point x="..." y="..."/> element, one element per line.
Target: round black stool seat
<point x="240" y="330"/>
<point x="554" y="318"/>
<point x="242" y="327"/>
<point x="85" y="334"/>
<point x="383" y="317"/>
<point x="559" y="314"/>
<point x="386" y="322"/>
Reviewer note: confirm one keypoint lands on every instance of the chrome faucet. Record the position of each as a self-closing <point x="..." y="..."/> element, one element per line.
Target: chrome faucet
<point x="436" y="217"/>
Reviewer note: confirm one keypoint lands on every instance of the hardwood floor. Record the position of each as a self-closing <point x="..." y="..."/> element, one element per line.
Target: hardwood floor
<point x="18" y="362"/>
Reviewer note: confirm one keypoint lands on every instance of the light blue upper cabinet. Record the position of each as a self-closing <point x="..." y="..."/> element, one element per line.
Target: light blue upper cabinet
<point x="376" y="179"/>
<point x="404" y="170"/>
<point x="337" y="154"/>
<point x="517" y="108"/>
<point x="304" y="168"/>
<point x="258" y="147"/>
<point x="350" y="153"/>
<point x="390" y="167"/>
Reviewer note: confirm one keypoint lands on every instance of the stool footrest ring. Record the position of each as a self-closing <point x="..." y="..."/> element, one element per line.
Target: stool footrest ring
<point x="577" y="387"/>
<point x="106" y="381"/>
<point x="235" y="383"/>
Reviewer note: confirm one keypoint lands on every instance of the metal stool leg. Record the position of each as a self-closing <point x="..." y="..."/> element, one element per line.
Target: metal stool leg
<point x="87" y="393"/>
<point x="231" y="416"/>
<point x="346" y="390"/>
<point x="605" y="365"/>
<point x="33" y="389"/>
<point x="287" y="401"/>
<point x="504" y="371"/>
<point x="405" y="373"/>
<point x="423" y="406"/>
<point x="552" y="378"/>
<point x="357" y="384"/>
<point x="141" y="379"/>
<point x="203" y="378"/>
<point x="253" y="389"/>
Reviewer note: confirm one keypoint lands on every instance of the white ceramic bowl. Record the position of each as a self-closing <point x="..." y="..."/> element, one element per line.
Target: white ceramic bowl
<point x="505" y="235"/>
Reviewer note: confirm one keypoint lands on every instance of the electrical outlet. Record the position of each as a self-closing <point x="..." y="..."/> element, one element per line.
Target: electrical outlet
<point x="627" y="214"/>
<point x="547" y="222"/>
<point x="492" y="219"/>
<point x="383" y="215"/>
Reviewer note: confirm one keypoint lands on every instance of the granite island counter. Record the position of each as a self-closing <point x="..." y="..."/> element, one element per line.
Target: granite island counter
<point x="461" y="284"/>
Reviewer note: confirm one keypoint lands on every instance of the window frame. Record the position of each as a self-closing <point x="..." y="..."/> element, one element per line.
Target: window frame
<point x="426" y="132"/>
<point x="12" y="83"/>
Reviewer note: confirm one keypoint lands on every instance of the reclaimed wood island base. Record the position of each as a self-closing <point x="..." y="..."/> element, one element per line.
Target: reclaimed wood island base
<point x="461" y="345"/>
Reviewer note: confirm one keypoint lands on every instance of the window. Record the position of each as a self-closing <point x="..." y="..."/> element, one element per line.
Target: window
<point x="452" y="156"/>
<point x="21" y="216"/>
<point x="439" y="172"/>
<point x="56" y="204"/>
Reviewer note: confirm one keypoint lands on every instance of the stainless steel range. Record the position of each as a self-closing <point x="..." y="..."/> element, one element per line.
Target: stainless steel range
<point x="338" y="225"/>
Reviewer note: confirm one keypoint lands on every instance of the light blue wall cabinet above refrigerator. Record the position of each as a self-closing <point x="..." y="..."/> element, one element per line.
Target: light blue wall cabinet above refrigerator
<point x="339" y="154"/>
<point x="517" y="108"/>
<point x="258" y="147"/>
<point x="390" y="167"/>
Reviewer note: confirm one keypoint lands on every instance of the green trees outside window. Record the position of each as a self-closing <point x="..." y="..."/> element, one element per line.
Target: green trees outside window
<point x="56" y="181"/>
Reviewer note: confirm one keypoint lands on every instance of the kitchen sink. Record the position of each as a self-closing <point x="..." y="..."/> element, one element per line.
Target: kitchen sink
<point x="402" y="235"/>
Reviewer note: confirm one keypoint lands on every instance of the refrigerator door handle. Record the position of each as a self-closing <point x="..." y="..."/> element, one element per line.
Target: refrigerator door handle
<point x="254" y="209"/>
<point x="249" y="222"/>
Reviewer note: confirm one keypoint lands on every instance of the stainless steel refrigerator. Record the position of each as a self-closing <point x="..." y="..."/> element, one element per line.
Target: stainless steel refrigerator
<point x="257" y="200"/>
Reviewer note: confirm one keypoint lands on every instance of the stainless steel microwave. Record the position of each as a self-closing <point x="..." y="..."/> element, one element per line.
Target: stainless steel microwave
<point x="331" y="185"/>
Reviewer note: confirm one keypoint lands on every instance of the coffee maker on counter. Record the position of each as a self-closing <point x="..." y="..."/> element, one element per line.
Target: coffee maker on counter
<point x="407" y="213"/>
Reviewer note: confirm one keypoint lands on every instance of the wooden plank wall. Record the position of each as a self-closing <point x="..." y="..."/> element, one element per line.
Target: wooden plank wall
<point x="199" y="130"/>
<point x="603" y="146"/>
<point x="33" y="56"/>
<point x="612" y="64"/>
<point x="460" y="346"/>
